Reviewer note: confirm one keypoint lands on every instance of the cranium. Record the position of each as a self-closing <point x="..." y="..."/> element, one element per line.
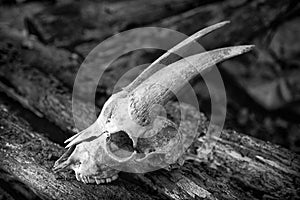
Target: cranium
<point x="127" y="136"/>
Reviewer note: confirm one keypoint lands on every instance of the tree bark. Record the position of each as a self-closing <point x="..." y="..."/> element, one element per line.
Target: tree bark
<point x="97" y="20"/>
<point x="28" y="157"/>
<point x="238" y="167"/>
<point x="43" y="94"/>
<point x="238" y="163"/>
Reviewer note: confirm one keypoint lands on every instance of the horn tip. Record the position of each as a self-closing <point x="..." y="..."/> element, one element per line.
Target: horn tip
<point x="221" y="24"/>
<point x="226" y="22"/>
<point x="241" y="49"/>
<point x="248" y="48"/>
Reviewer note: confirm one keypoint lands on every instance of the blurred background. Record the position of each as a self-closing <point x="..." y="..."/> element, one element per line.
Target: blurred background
<point x="43" y="43"/>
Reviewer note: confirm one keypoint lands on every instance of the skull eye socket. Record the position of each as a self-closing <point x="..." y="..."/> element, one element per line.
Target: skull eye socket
<point x="162" y="141"/>
<point x="120" y="144"/>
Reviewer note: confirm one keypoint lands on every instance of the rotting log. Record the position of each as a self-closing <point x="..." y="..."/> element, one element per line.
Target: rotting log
<point x="254" y="16"/>
<point x="12" y="188"/>
<point x="49" y="59"/>
<point x="238" y="163"/>
<point x="246" y="168"/>
<point x="64" y="65"/>
<point x="239" y="167"/>
<point x="43" y="94"/>
<point x="59" y="62"/>
<point x="28" y="157"/>
<point x="257" y="17"/>
<point x="93" y="20"/>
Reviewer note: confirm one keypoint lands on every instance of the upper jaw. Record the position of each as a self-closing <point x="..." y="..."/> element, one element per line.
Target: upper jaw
<point x="98" y="179"/>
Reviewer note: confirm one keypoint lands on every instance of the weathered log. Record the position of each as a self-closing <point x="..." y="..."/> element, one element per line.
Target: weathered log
<point x="236" y="162"/>
<point x="192" y="20"/>
<point x="253" y="16"/>
<point x="37" y="123"/>
<point x="59" y="62"/>
<point x="65" y="65"/>
<point x="273" y="13"/>
<point x="93" y="20"/>
<point x="12" y="188"/>
<point x="230" y="158"/>
<point x="44" y="95"/>
<point x="29" y="157"/>
<point x="239" y="167"/>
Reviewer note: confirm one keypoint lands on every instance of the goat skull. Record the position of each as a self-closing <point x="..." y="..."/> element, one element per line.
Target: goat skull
<point x="127" y="136"/>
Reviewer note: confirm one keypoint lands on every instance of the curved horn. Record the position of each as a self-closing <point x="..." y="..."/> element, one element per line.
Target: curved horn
<point x="179" y="49"/>
<point x="161" y="86"/>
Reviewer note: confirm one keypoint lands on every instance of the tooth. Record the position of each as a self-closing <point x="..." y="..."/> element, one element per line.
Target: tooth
<point x="102" y="180"/>
<point x="114" y="177"/>
<point x="98" y="181"/>
<point x="90" y="180"/>
<point x="86" y="179"/>
<point x="108" y="180"/>
<point x="77" y="176"/>
<point x="82" y="178"/>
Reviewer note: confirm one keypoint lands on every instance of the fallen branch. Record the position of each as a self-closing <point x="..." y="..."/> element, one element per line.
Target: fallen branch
<point x="238" y="167"/>
<point x="98" y="20"/>
<point x="28" y="157"/>
<point x="236" y="159"/>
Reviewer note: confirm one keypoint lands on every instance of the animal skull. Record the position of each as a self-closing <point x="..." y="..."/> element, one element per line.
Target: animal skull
<point x="127" y="136"/>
